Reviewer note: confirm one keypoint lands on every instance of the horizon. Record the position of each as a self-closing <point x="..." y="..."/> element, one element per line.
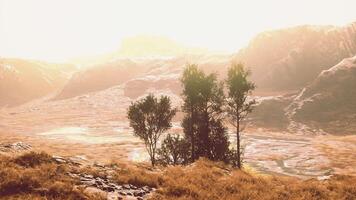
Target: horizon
<point x="37" y="29"/>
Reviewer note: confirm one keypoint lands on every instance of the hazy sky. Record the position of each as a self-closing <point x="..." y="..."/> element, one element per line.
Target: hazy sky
<point x="57" y="30"/>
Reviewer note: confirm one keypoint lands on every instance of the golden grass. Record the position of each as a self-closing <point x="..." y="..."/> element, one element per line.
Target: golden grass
<point x="35" y="176"/>
<point x="207" y="180"/>
<point x="138" y="175"/>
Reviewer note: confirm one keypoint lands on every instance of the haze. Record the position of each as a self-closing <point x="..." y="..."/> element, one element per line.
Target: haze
<point x="59" y="30"/>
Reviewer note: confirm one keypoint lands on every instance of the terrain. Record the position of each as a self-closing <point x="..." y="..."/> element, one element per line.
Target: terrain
<point x="25" y="80"/>
<point x="32" y="175"/>
<point x="293" y="57"/>
<point x="302" y="127"/>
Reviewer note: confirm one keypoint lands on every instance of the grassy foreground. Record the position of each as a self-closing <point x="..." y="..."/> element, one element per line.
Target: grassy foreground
<point x="35" y="176"/>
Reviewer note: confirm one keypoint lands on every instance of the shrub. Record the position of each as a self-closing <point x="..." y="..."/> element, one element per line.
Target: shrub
<point x="174" y="150"/>
<point x="33" y="159"/>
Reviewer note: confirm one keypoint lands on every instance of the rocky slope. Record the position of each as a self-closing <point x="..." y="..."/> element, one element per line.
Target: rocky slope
<point x="330" y="100"/>
<point x="291" y="58"/>
<point x="327" y="104"/>
<point x="24" y="80"/>
<point x="140" y="76"/>
<point x="100" y="77"/>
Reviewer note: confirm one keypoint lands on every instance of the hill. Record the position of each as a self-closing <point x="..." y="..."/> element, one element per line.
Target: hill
<point x="292" y="58"/>
<point x="24" y="80"/>
<point x="330" y="100"/>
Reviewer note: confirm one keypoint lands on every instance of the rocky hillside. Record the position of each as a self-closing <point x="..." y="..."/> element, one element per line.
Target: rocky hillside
<point x="331" y="99"/>
<point x="327" y="104"/>
<point x="100" y="77"/>
<point x="291" y="58"/>
<point x="24" y="80"/>
<point x="138" y="77"/>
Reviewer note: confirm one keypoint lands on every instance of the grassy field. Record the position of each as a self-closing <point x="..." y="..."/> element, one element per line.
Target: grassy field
<point x="35" y="176"/>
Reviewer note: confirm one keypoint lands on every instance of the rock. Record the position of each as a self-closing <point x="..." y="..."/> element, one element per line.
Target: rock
<point x="126" y="186"/>
<point x="99" y="183"/>
<point x="15" y="147"/>
<point x="133" y="187"/>
<point x="73" y="175"/>
<point x="99" y="165"/>
<point x="85" y="179"/>
<point x="139" y="193"/>
<point x="108" y="188"/>
<point x="147" y="188"/>
<point x="88" y="176"/>
<point x="59" y="159"/>
<point x="89" y="183"/>
<point x="323" y="178"/>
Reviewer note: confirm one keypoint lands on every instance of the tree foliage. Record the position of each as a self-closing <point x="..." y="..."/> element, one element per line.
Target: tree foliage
<point x="203" y="125"/>
<point x="150" y="118"/>
<point x="174" y="150"/>
<point x="238" y="104"/>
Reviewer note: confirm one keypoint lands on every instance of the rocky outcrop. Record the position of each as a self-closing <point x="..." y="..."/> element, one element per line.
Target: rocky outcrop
<point x="15" y="147"/>
<point x="111" y="189"/>
<point x="328" y="104"/>
<point x="330" y="101"/>
<point x="105" y="183"/>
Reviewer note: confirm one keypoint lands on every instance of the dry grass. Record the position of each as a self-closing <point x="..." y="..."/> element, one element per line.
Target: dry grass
<point x="207" y="180"/>
<point x="35" y="176"/>
<point x="138" y="175"/>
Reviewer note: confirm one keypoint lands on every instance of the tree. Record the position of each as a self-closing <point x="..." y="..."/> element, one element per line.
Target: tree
<point x="203" y="121"/>
<point x="174" y="150"/>
<point x="238" y="104"/>
<point x="190" y="81"/>
<point x="150" y="117"/>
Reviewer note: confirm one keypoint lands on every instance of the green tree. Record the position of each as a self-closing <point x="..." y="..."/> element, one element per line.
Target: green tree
<point x="150" y="118"/>
<point x="174" y="150"/>
<point x="238" y="104"/>
<point x="191" y="79"/>
<point x="203" y="121"/>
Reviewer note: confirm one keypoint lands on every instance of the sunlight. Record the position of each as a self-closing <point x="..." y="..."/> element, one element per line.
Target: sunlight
<point x="59" y="30"/>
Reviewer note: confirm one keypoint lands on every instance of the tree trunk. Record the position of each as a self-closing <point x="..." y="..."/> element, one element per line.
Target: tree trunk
<point x="153" y="161"/>
<point x="192" y="134"/>
<point x="238" y="143"/>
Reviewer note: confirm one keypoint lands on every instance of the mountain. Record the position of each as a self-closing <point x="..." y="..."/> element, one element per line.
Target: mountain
<point x="100" y="77"/>
<point x="328" y="104"/>
<point x="285" y="59"/>
<point x="293" y="57"/>
<point x="143" y="47"/>
<point x="140" y="76"/>
<point x="330" y="100"/>
<point x="24" y="80"/>
<point x="153" y="46"/>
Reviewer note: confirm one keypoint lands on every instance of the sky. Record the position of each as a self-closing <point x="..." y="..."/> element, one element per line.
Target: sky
<point x="57" y="30"/>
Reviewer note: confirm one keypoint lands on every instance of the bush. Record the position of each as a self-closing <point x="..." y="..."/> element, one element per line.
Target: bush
<point x="174" y="150"/>
<point x="33" y="159"/>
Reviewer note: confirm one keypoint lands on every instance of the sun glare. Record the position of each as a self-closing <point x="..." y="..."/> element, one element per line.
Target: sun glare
<point x="59" y="30"/>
